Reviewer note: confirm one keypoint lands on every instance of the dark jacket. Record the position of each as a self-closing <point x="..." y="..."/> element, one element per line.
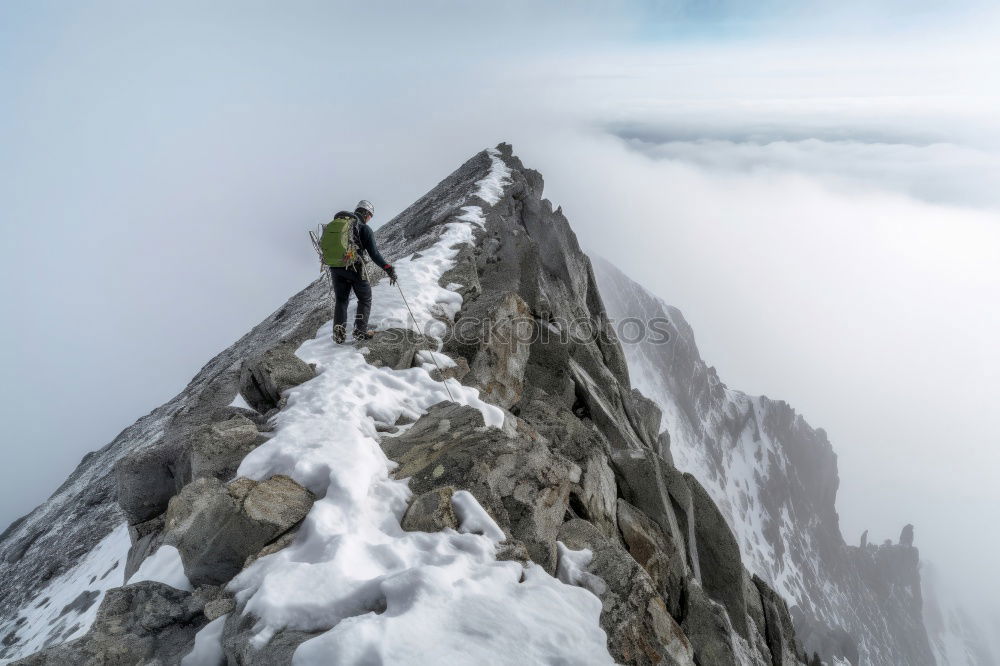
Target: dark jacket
<point x="367" y="242"/>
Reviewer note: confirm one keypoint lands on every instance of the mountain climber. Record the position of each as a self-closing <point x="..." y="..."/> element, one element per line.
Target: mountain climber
<point x="344" y="243"/>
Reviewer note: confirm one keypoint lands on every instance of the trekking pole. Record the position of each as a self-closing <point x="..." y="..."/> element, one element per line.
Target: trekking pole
<point x="433" y="357"/>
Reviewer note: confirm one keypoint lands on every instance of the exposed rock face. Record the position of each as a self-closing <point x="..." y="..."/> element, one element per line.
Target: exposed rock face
<point x="773" y="478"/>
<point x="517" y="478"/>
<point x="265" y="378"/>
<point x="708" y="628"/>
<point x="640" y="630"/>
<point x="431" y="512"/>
<point x="718" y="556"/>
<point x="396" y="348"/>
<point x="217" y="527"/>
<point x="580" y="458"/>
<point x="659" y="555"/>
<point x="780" y="633"/>
<point x="142" y="623"/>
<point x="216" y="450"/>
<point x="578" y="463"/>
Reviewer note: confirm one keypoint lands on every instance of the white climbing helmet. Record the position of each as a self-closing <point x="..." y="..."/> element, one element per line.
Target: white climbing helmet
<point x="366" y="206"/>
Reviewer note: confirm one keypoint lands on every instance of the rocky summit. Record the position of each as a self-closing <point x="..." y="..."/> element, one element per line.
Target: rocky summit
<point x="482" y="483"/>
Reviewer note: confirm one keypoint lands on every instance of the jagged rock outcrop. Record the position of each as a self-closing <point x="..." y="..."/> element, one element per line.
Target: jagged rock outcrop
<point x="640" y="629"/>
<point x="217" y="526"/>
<point x="397" y="348"/>
<point x="580" y="459"/>
<point x="265" y="378"/>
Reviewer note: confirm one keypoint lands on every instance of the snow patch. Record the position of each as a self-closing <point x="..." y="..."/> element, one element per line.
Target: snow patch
<point x="473" y="214"/>
<point x="473" y="519"/>
<point x="572" y="569"/>
<point x="207" y="650"/>
<point x="65" y="608"/>
<point x="240" y="402"/>
<point x="163" y="566"/>
<point x="490" y="188"/>
<point x="435" y="360"/>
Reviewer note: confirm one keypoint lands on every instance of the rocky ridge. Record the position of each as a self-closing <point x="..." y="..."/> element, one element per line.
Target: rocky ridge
<point x="579" y="464"/>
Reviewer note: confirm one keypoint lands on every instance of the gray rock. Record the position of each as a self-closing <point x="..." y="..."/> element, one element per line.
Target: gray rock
<point x="639" y="627"/>
<point x="662" y="558"/>
<point x="502" y="356"/>
<point x="645" y="416"/>
<point x="464" y="274"/>
<point x="514" y="550"/>
<point x="794" y="477"/>
<point x="431" y="512"/>
<point x="217" y="449"/>
<point x="279" y="502"/>
<point x="906" y="536"/>
<point x="755" y="610"/>
<point x="395" y="348"/>
<point x="265" y="377"/>
<point x="146" y="539"/>
<point x="780" y="633"/>
<point x="663" y="447"/>
<point x="229" y="412"/>
<point x="817" y="637"/>
<point x="719" y="557"/>
<point x="136" y="624"/>
<point x="240" y="628"/>
<point x="610" y="417"/>
<point x="653" y="486"/>
<point x="282" y="542"/>
<point x="217" y="527"/>
<point x="218" y="607"/>
<point x="516" y="477"/>
<point x="707" y="626"/>
<point x="147" y="478"/>
<point x="598" y="493"/>
<point x="458" y="371"/>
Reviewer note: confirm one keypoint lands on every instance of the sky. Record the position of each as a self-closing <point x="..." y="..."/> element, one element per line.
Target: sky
<point x="812" y="184"/>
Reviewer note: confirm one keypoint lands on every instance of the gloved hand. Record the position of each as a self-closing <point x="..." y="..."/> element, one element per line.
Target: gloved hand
<point x="391" y="272"/>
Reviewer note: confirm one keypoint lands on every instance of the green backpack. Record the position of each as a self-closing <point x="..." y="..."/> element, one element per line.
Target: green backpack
<point x="338" y="244"/>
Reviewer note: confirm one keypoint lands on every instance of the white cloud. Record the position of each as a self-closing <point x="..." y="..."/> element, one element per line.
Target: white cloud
<point x="936" y="172"/>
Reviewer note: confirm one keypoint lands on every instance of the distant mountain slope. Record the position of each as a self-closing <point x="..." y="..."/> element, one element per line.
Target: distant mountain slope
<point x="775" y="478"/>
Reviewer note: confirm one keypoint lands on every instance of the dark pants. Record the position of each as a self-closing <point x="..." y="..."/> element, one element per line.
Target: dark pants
<point x="346" y="280"/>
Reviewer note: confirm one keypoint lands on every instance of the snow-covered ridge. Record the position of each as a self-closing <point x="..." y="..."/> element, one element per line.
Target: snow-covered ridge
<point x="352" y="570"/>
<point x="537" y="524"/>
